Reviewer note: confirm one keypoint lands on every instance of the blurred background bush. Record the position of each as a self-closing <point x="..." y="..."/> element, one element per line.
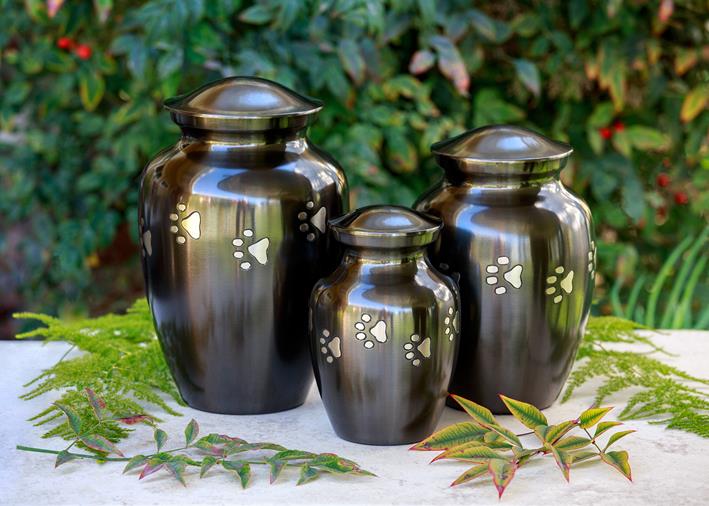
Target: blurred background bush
<point x="624" y="81"/>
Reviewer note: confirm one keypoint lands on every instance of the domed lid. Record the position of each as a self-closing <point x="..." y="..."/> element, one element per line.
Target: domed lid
<point x="386" y="227"/>
<point x="500" y="149"/>
<point x="243" y="104"/>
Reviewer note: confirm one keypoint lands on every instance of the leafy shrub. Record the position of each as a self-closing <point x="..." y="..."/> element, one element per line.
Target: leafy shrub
<point x="82" y="84"/>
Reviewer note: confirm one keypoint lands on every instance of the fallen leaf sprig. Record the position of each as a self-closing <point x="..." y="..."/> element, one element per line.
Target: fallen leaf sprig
<point x="213" y="451"/>
<point x="498" y="452"/>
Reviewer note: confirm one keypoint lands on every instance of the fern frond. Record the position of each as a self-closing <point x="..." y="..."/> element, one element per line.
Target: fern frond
<point x="121" y="361"/>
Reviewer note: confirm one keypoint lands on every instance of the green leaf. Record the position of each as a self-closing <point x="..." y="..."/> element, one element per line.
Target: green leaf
<point x="307" y="474"/>
<point x="293" y="455"/>
<point x="473" y="451"/>
<point x="563" y="460"/>
<point x="153" y="465"/>
<point x="451" y="436"/>
<point x="72" y="417"/>
<point x="592" y="416"/>
<point x="103" y="9"/>
<point x="207" y="463"/>
<point x="643" y="137"/>
<point x="258" y="14"/>
<point x="615" y="437"/>
<point x="603" y="427"/>
<point x="471" y="474"/>
<point x="276" y="466"/>
<point x="450" y="63"/>
<point x="618" y="460"/>
<point x="191" y="432"/>
<point x="160" y="437"/>
<point x="528" y="73"/>
<point x="421" y="61"/>
<point x="601" y="116"/>
<point x="63" y="457"/>
<point x="135" y="462"/>
<point x="529" y="415"/>
<point x="100" y="443"/>
<point x="97" y="404"/>
<point x="351" y="59"/>
<point x="176" y="467"/>
<point x="480" y="414"/>
<point x="507" y="434"/>
<point x="578" y="457"/>
<point x="502" y="473"/>
<point x="91" y="88"/>
<point x="572" y="443"/>
<point x="694" y="102"/>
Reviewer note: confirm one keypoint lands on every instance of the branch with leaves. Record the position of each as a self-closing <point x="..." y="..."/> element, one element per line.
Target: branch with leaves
<point x="232" y="454"/>
<point x="498" y="452"/>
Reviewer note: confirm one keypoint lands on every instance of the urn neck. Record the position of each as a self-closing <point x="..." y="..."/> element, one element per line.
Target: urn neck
<point x="244" y="139"/>
<point x="383" y="256"/>
<point x="514" y="179"/>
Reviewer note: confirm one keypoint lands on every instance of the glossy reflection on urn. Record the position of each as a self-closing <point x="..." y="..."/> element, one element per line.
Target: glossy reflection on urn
<point x="233" y="227"/>
<point x="384" y="329"/>
<point x="521" y="247"/>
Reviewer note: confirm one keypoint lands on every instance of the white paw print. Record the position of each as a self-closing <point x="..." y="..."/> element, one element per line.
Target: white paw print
<point x="451" y="324"/>
<point x="513" y="276"/>
<point x="332" y="349"/>
<point x="317" y="220"/>
<point x="190" y="224"/>
<point x="378" y="331"/>
<point x="416" y="345"/>
<point x="258" y="250"/>
<point x="557" y="284"/>
<point x="146" y="239"/>
<point x="592" y="259"/>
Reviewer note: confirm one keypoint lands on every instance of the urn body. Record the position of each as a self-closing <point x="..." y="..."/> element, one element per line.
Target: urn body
<point x="384" y="330"/>
<point x="522" y="250"/>
<point x="233" y="222"/>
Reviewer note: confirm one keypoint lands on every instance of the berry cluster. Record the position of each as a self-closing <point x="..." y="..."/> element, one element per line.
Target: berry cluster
<point x="607" y="132"/>
<point x="82" y="51"/>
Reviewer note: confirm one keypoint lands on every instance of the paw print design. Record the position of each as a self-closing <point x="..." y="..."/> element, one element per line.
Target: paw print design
<point x="557" y="284"/>
<point x="190" y="224"/>
<point x="378" y="331"/>
<point x="331" y="349"/>
<point x="451" y="324"/>
<point x="146" y="239"/>
<point x="592" y="258"/>
<point x="513" y="276"/>
<point x="416" y="345"/>
<point x="317" y="220"/>
<point x="258" y="250"/>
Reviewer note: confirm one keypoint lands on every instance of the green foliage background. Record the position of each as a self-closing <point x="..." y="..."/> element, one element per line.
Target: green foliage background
<point x="395" y="75"/>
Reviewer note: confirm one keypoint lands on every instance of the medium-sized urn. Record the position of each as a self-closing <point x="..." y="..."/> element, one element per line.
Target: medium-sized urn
<point x="521" y="247"/>
<point x="384" y="329"/>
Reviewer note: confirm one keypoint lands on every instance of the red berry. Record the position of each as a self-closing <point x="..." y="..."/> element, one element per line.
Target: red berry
<point x="83" y="51"/>
<point x="681" y="198"/>
<point x="663" y="180"/>
<point x="65" y="43"/>
<point x="618" y="126"/>
<point x="605" y="132"/>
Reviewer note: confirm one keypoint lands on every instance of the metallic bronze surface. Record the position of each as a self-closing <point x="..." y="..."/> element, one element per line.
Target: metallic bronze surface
<point x="384" y="329"/>
<point x="233" y="226"/>
<point x="522" y="250"/>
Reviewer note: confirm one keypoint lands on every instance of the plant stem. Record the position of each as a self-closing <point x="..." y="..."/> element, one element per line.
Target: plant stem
<point x="593" y="440"/>
<point x="78" y="455"/>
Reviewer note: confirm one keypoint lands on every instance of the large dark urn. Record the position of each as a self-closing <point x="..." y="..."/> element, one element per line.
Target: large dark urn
<point x="521" y="247"/>
<point x="233" y="227"/>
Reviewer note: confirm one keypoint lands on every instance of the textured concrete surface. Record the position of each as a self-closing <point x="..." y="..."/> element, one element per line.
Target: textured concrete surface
<point x="668" y="466"/>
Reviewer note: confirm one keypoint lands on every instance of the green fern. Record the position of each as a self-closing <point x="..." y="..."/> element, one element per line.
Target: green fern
<point x="664" y="393"/>
<point x="122" y="362"/>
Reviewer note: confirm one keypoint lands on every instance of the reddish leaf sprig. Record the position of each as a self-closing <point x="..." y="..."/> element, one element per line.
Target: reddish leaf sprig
<point x="498" y="452"/>
<point x="231" y="454"/>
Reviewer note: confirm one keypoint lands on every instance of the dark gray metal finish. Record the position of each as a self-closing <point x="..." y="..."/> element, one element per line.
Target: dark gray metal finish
<point x="233" y="227"/>
<point x="522" y="250"/>
<point x="384" y="329"/>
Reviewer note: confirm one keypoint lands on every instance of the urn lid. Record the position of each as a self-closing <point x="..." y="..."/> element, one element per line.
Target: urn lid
<point x="387" y="227"/>
<point x="243" y="104"/>
<point x="502" y="149"/>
